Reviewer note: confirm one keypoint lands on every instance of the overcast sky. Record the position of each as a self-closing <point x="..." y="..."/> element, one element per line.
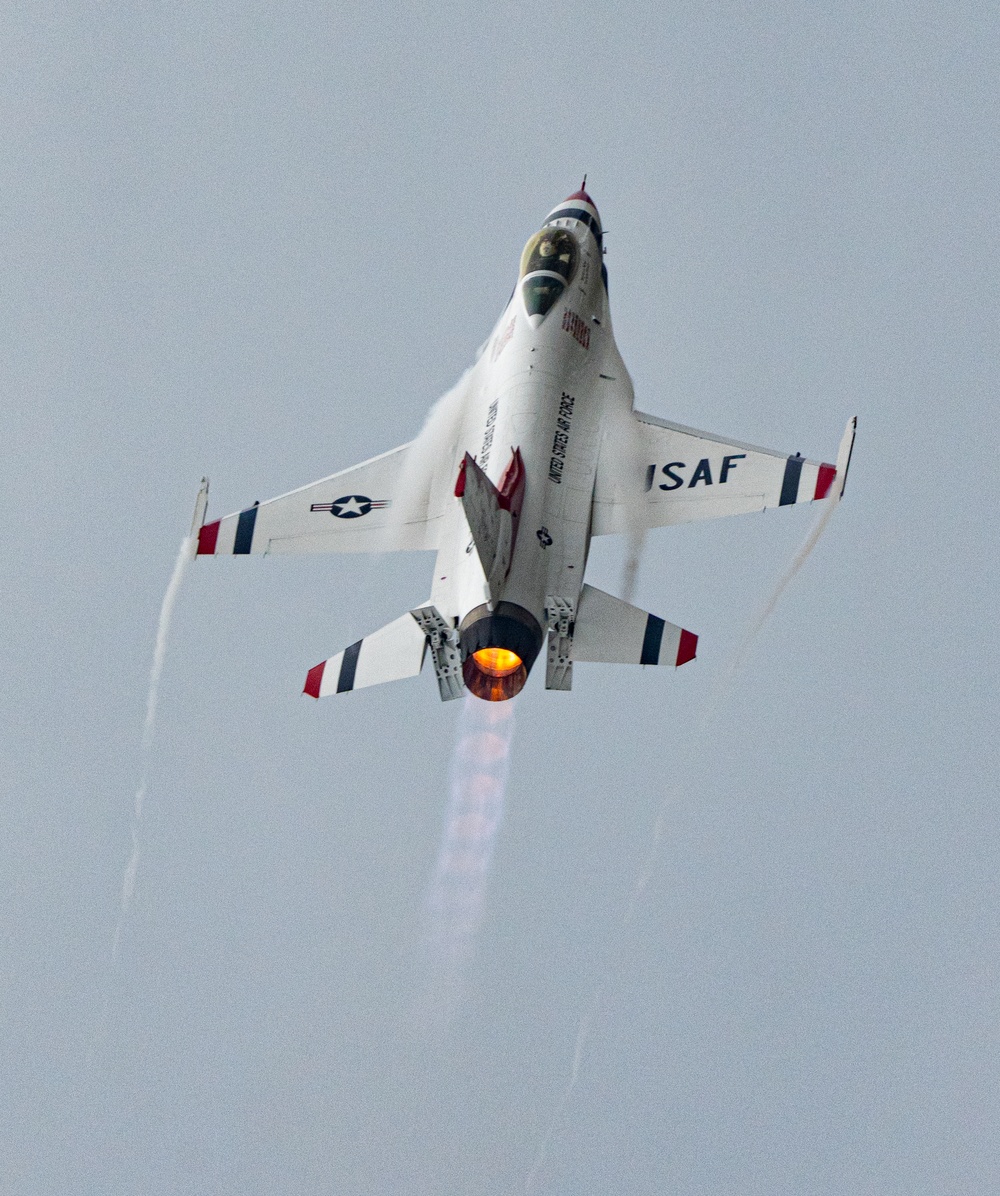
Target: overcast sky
<point x="258" y="241"/>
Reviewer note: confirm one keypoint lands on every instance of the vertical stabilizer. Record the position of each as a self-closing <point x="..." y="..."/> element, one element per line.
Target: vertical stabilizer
<point x="493" y="515"/>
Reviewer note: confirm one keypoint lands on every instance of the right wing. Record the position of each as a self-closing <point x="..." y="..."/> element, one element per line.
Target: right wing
<point x="652" y="473"/>
<point x="372" y="507"/>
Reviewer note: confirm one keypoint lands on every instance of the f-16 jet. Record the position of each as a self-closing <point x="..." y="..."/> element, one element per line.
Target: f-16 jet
<point x="536" y="450"/>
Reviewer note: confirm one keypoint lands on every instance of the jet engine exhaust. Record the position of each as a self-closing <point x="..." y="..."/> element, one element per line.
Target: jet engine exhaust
<point x="478" y="782"/>
<point x="499" y="647"/>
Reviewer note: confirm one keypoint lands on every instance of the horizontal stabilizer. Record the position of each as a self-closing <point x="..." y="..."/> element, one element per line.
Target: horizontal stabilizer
<point x="611" y="631"/>
<point x="389" y="654"/>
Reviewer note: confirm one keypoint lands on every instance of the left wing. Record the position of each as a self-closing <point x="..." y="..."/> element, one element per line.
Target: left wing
<point x="372" y="507"/>
<point x="653" y="473"/>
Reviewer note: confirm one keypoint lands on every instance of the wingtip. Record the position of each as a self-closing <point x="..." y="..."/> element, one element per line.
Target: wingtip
<point x="314" y="680"/>
<point x="687" y="649"/>
<point x="208" y="538"/>
<point x="844" y="454"/>
<point x="200" y="507"/>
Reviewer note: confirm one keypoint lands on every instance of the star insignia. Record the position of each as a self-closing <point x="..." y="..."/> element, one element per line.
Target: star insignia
<point x="351" y="507"/>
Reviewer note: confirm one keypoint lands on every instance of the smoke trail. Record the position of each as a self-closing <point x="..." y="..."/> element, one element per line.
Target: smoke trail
<point x="710" y="705"/>
<point x="478" y="781"/>
<point x="582" y="1034"/>
<point x="624" y="431"/>
<point x="148" y="728"/>
<point x="739" y="659"/>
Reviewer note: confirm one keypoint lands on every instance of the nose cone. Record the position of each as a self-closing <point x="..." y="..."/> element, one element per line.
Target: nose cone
<point x="582" y="196"/>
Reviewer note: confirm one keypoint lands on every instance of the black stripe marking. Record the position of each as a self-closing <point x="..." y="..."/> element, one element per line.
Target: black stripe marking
<point x="651" y="640"/>
<point x="790" y="484"/>
<point x="348" y="667"/>
<point x="244" y="531"/>
<point x="581" y="215"/>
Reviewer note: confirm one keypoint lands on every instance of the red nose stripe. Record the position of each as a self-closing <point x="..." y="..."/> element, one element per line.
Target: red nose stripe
<point x="314" y="679"/>
<point x="687" y="648"/>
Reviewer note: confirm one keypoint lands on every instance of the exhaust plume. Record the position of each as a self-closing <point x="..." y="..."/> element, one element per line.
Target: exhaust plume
<point x="480" y="765"/>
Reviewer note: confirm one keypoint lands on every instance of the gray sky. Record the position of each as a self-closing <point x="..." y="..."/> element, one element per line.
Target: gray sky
<point x="258" y="242"/>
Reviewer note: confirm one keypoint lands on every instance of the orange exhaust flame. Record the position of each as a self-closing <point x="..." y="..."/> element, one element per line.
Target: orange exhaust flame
<point x="497" y="662"/>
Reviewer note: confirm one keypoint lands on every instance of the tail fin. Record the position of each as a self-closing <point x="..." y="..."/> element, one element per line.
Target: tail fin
<point x="492" y="514"/>
<point x="615" y="632"/>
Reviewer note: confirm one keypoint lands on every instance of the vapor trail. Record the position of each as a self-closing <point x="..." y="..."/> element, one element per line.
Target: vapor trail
<point x="148" y="729"/>
<point x="709" y="706"/>
<point x="480" y="765"/>
<point x="625" y="432"/>
<point x="421" y="479"/>
<point x="739" y="659"/>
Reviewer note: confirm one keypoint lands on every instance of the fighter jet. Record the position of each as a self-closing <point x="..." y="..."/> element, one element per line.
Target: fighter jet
<point x="535" y="451"/>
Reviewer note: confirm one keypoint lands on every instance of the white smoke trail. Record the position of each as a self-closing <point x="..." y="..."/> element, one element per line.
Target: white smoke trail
<point x="739" y="659"/>
<point x="712" y="702"/>
<point x="625" y="433"/>
<point x="131" y="873"/>
<point x="478" y="781"/>
<point x="582" y="1034"/>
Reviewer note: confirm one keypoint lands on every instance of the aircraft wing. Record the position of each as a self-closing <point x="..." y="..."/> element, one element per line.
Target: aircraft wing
<point x="653" y="473"/>
<point x="371" y="507"/>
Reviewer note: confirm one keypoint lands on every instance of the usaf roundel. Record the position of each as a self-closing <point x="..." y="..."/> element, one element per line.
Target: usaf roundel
<point x="351" y="506"/>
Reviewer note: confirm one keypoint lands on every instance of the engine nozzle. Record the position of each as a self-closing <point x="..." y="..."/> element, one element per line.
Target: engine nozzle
<point x="498" y="649"/>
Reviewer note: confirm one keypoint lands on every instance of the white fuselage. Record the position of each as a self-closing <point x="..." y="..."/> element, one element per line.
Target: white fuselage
<point x="546" y="386"/>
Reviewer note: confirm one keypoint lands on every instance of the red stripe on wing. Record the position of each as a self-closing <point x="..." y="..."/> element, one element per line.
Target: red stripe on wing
<point x="314" y="679"/>
<point x="687" y="648"/>
<point x="824" y="480"/>
<point x="208" y="536"/>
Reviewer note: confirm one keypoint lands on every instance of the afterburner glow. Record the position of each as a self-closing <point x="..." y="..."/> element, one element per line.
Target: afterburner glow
<point x="497" y="662"/>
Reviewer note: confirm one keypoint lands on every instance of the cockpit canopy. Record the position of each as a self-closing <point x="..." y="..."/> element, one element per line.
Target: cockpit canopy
<point x="552" y="249"/>
<point x="547" y="265"/>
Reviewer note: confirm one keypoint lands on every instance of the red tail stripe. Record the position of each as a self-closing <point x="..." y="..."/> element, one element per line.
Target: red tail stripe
<point x="824" y="480"/>
<point x="314" y="679"/>
<point x="687" y="648"/>
<point x="460" y="480"/>
<point x="512" y="484"/>
<point x="208" y="536"/>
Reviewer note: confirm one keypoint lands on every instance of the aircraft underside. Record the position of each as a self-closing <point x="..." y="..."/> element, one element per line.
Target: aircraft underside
<point x="537" y="449"/>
